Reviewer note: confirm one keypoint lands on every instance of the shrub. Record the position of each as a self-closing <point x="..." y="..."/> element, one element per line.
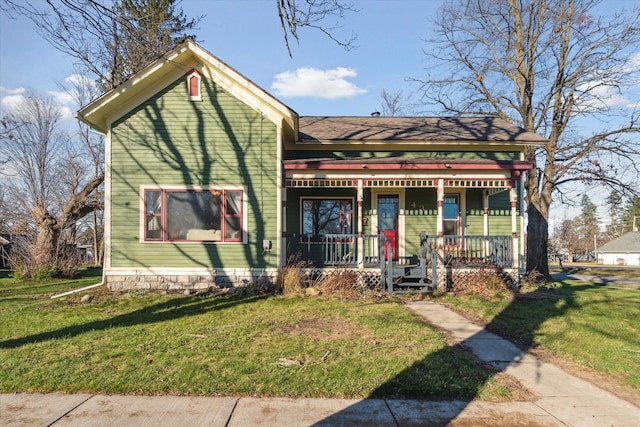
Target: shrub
<point x="22" y="260"/>
<point x="486" y="282"/>
<point x="340" y="283"/>
<point x="291" y="277"/>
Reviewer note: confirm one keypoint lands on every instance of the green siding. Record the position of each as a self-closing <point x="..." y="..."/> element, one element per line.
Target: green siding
<point x="421" y="213"/>
<point x="169" y="140"/>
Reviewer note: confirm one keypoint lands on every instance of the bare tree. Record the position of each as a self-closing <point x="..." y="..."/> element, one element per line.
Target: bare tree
<point x="548" y="66"/>
<point x="393" y="103"/>
<point x="295" y="14"/>
<point x="91" y="149"/>
<point x="110" y="40"/>
<point x="114" y="39"/>
<point x="53" y="195"/>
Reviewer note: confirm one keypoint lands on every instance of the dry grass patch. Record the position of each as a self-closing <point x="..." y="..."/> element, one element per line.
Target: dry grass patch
<point x="325" y="329"/>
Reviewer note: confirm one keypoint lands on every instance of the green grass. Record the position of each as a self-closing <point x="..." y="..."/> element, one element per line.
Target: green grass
<point x="152" y="343"/>
<point x="596" y="327"/>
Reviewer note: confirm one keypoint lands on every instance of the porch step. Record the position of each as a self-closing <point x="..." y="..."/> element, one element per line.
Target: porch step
<point x="407" y="274"/>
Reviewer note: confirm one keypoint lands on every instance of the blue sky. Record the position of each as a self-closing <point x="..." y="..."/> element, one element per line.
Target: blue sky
<point x="321" y="79"/>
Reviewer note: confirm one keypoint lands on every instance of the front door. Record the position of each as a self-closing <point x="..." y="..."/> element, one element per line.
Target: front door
<point x="451" y="217"/>
<point x="388" y="210"/>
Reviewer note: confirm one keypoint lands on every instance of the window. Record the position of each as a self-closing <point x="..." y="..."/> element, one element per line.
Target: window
<point x="451" y="215"/>
<point x="212" y="215"/>
<point x="194" y="86"/>
<point x="326" y="216"/>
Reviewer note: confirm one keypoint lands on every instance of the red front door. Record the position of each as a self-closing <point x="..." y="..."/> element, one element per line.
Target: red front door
<point x="388" y="210"/>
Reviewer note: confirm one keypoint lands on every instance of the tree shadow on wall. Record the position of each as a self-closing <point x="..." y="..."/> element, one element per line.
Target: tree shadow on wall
<point x="207" y="145"/>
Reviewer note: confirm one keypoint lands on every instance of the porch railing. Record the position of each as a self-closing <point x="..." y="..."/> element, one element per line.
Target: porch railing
<point x="470" y="250"/>
<point x="331" y="250"/>
<point x="334" y="249"/>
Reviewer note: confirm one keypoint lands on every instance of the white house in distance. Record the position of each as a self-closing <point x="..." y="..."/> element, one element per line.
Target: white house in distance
<point x="625" y="250"/>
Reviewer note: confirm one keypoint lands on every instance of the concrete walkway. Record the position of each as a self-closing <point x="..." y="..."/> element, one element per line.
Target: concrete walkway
<point x="597" y="279"/>
<point x="564" y="399"/>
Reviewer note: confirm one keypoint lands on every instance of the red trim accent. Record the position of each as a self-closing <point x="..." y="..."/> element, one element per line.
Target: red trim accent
<point x="486" y="211"/>
<point x="359" y="203"/>
<point x="514" y="235"/>
<point x="513" y="204"/>
<point x="440" y="203"/>
<point x="440" y="233"/>
<point x="332" y="165"/>
<point x="359" y="233"/>
<point x="194" y="86"/>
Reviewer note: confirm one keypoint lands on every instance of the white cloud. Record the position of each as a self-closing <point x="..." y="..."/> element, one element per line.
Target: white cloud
<point x="598" y="95"/>
<point x="16" y="91"/>
<point x="17" y="96"/>
<point x="80" y="80"/>
<point x="61" y="98"/>
<point x="633" y="63"/>
<point x="11" y="102"/>
<point x="308" y="81"/>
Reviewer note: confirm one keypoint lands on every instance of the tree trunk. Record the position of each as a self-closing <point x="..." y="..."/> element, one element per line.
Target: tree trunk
<point x="537" y="239"/>
<point x="47" y="238"/>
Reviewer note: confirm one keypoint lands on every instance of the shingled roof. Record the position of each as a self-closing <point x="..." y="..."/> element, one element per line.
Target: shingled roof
<point x="629" y="242"/>
<point x="468" y="129"/>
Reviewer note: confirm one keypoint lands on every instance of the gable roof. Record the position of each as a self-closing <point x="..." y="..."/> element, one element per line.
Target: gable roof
<point x="629" y="242"/>
<point x="442" y="129"/>
<point x="176" y="63"/>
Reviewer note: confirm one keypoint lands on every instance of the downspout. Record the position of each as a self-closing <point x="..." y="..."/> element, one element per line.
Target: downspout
<point x="86" y="288"/>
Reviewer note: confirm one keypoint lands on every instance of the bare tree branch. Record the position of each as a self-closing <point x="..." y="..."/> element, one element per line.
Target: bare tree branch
<point x="548" y="66"/>
<point x="293" y="16"/>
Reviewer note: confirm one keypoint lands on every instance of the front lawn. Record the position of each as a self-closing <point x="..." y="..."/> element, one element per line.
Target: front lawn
<point x="597" y="328"/>
<point x="152" y="343"/>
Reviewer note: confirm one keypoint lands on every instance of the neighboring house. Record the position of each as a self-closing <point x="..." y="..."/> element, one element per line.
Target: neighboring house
<point x="625" y="250"/>
<point x="5" y="244"/>
<point x="209" y="179"/>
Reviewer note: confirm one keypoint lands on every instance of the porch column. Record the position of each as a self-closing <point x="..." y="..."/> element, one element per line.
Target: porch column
<point x="485" y="219"/>
<point x="440" y="199"/>
<point x="514" y="224"/>
<point x="359" y="198"/>
<point x="283" y="239"/>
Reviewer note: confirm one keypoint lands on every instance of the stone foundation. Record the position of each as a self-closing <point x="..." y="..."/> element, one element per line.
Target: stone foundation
<point x="180" y="282"/>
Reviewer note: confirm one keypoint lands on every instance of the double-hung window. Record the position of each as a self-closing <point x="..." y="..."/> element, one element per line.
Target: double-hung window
<point x="327" y="216"/>
<point x="186" y="215"/>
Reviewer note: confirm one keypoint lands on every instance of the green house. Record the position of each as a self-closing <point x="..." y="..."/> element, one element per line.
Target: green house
<point x="211" y="181"/>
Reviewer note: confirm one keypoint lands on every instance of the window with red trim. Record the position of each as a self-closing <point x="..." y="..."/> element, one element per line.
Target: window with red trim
<point x="213" y="215"/>
<point x="194" y="90"/>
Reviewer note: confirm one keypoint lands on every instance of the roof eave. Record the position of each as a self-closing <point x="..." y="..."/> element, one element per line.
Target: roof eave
<point x="400" y="165"/>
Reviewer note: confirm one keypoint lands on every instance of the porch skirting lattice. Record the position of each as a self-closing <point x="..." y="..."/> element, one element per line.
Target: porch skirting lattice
<point x="367" y="278"/>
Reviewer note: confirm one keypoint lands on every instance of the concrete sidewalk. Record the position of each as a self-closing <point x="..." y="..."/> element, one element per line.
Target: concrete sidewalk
<point x="570" y="400"/>
<point x="564" y="399"/>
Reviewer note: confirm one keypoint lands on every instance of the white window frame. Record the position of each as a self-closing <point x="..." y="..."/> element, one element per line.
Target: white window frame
<point x="353" y="209"/>
<point x="194" y="74"/>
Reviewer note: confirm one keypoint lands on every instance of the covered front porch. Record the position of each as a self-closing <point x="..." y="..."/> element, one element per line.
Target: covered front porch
<point x="405" y="227"/>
